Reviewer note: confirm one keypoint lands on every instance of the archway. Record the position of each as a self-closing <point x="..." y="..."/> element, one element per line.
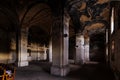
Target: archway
<point x="96" y="31"/>
<point x="35" y="31"/>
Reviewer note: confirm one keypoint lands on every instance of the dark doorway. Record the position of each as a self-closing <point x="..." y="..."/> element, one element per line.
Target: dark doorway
<point x="97" y="47"/>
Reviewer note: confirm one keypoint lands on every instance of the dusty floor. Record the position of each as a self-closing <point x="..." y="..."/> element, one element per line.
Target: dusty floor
<point x="41" y="71"/>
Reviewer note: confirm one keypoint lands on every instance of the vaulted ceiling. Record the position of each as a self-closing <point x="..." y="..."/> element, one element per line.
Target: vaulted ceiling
<point x="91" y="16"/>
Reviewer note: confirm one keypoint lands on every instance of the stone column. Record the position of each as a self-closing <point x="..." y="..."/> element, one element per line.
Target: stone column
<point x="22" y="54"/>
<point x="38" y="53"/>
<point x="45" y="54"/>
<point x="79" y="49"/>
<point x="60" y="46"/>
<point x="86" y="50"/>
<point x="107" y="34"/>
<point x="50" y="50"/>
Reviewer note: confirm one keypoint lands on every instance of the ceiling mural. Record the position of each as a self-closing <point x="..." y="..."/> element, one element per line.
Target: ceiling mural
<point x="88" y="14"/>
<point x="91" y="16"/>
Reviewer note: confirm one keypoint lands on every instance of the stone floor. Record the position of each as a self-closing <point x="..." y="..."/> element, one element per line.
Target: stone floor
<point x="41" y="71"/>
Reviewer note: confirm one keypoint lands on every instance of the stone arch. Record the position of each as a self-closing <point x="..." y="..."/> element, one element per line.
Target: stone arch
<point x="72" y="9"/>
<point x="39" y="16"/>
<point x="34" y="10"/>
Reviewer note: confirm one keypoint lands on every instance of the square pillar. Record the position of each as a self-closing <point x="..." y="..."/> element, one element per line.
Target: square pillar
<point x="79" y="49"/>
<point x="60" y="45"/>
<point x="38" y="56"/>
<point x="86" y="46"/>
<point x="50" y="50"/>
<point x="45" y="54"/>
<point x="107" y="46"/>
<point x="23" y="55"/>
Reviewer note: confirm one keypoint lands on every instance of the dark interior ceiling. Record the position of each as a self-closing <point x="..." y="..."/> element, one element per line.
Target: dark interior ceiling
<point x="39" y="19"/>
<point x="86" y="15"/>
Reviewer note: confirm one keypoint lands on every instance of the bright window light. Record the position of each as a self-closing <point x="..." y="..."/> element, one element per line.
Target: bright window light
<point x="112" y="21"/>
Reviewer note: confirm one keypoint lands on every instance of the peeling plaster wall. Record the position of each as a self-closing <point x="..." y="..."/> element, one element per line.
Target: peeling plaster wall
<point x="13" y="54"/>
<point x="7" y="48"/>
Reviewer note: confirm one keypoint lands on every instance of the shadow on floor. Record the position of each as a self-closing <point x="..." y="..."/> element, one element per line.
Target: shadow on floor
<point x="93" y="72"/>
<point x="40" y="70"/>
<point x="43" y="64"/>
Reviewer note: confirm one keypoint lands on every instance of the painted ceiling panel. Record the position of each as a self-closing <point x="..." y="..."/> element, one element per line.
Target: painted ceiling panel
<point x="89" y="12"/>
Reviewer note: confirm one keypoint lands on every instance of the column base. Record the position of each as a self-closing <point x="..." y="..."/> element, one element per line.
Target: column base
<point x="60" y="71"/>
<point x="87" y="60"/>
<point x="22" y="63"/>
<point x="79" y="62"/>
<point x="50" y="61"/>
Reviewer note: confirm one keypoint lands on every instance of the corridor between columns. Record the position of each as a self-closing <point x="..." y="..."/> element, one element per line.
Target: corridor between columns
<point x="59" y="39"/>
